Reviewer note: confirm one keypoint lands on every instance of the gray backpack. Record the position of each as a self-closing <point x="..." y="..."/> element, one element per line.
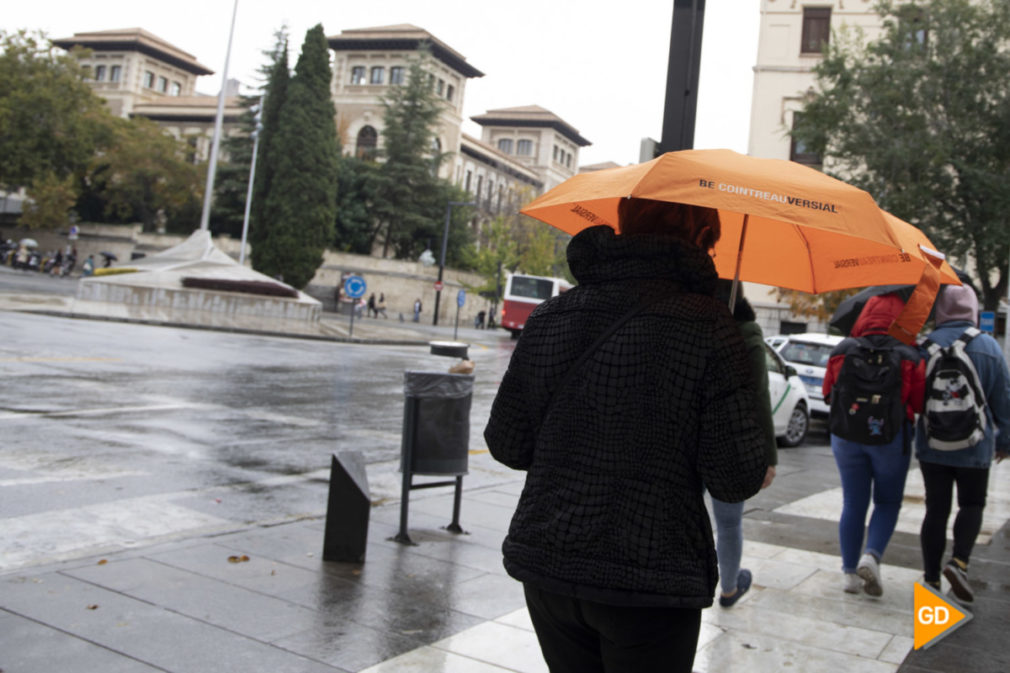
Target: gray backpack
<point x="954" y="412"/>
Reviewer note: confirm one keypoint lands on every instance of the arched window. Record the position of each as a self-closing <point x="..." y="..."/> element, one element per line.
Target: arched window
<point x="366" y="143"/>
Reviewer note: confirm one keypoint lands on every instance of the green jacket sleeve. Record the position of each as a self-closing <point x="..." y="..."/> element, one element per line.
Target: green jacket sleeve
<point x="754" y="339"/>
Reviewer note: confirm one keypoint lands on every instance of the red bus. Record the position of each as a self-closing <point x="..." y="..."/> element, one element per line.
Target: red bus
<point x="523" y="293"/>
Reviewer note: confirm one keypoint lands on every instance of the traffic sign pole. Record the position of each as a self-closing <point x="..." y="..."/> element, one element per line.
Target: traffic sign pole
<point x="354" y="287"/>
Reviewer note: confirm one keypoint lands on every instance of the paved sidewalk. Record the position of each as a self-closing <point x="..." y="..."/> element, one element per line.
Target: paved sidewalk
<point x="262" y="599"/>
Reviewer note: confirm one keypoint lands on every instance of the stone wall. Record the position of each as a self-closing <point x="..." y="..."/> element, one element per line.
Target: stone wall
<point x="401" y="282"/>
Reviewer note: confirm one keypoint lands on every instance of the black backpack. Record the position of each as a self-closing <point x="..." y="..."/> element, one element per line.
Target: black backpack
<point x="955" y="402"/>
<point x="866" y="404"/>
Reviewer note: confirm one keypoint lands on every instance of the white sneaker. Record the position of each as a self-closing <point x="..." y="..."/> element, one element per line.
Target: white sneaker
<point x="869" y="570"/>
<point x="853" y="585"/>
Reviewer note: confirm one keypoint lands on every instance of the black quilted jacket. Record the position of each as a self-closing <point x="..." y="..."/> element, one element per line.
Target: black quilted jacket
<point x="612" y="509"/>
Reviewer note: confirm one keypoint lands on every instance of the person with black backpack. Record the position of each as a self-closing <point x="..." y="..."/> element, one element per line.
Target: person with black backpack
<point x="966" y="420"/>
<point x="875" y="386"/>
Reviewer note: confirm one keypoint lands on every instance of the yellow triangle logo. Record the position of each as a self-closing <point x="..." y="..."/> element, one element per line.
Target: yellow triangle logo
<point x="935" y="617"/>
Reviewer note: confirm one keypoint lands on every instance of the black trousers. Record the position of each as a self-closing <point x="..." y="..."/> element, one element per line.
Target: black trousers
<point x="578" y="636"/>
<point x="972" y="484"/>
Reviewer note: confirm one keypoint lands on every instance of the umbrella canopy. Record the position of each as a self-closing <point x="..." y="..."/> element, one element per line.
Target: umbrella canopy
<point x="108" y="255"/>
<point x="29" y="243"/>
<point x="783" y="224"/>
<point x="848" y="311"/>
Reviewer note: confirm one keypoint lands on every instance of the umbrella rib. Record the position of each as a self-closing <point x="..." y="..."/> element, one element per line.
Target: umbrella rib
<point x="810" y="258"/>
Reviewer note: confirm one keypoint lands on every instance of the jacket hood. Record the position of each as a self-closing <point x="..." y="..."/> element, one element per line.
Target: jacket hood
<point x="878" y="314"/>
<point x="598" y="254"/>
<point x="957" y="302"/>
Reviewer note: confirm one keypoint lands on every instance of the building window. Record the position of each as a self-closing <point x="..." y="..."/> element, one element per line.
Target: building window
<point x="450" y="91"/>
<point x="469" y="175"/>
<point x="505" y="145"/>
<point x="99" y="73"/>
<point x="524" y="148"/>
<point x="367" y="143"/>
<point x="480" y="185"/>
<point x="358" y="74"/>
<point x="798" y="151"/>
<point x="441" y="87"/>
<point x="162" y="84"/>
<point x="816" y="29"/>
<point x="175" y="90"/>
<point x="378" y="75"/>
<point x="148" y="79"/>
<point x="913" y="25"/>
<point x="115" y="73"/>
<point x="568" y="159"/>
<point x="396" y="75"/>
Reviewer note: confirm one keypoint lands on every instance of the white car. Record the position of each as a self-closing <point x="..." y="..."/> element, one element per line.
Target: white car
<point x="790" y="406"/>
<point x="809" y="354"/>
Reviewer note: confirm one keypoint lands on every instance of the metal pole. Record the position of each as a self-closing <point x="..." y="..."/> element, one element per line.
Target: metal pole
<point x="249" y="191"/>
<point x="445" y="241"/>
<point x="208" y="194"/>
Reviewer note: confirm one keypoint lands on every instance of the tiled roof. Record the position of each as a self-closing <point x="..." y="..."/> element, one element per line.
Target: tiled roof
<point x="401" y="37"/>
<point x="135" y="39"/>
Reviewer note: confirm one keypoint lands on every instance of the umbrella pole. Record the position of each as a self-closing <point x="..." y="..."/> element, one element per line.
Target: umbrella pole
<point x="739" y="258"/>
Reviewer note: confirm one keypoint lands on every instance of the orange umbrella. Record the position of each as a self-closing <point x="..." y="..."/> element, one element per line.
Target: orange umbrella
<point x="783" y="224"/>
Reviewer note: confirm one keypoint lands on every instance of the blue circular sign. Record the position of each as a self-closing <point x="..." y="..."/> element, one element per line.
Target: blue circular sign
<point x="354" y="286"/>
<point x="461" y="298"/>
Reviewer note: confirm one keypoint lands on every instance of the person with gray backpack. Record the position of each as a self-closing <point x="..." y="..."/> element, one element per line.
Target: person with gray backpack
<point x="965" y="423"/>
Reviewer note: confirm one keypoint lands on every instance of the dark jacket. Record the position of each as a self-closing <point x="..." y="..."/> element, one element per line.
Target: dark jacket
<point x="612" y="509"/>
<point x="873" y="323"/>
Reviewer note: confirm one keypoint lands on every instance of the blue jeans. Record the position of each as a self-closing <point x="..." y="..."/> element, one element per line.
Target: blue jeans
<point x="728" y="541"/>
<point x="879" y="471"/>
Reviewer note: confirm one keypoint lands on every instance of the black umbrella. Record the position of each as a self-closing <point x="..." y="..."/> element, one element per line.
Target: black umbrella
<point x="848" y="311"/>
<point x="108" y="255"/>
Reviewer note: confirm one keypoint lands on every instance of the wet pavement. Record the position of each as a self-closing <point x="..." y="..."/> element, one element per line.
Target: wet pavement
<point x="213" y="585"/>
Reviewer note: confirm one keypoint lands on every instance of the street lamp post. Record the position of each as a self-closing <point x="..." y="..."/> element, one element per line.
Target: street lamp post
<point x="445" y="241"/>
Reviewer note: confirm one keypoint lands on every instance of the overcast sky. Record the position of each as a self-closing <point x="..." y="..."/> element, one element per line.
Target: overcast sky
<point x="599" y="65"/>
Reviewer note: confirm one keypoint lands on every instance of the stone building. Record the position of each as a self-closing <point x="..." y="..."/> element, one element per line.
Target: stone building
<point x="141" y="75"/>
<point x="790" y="43"/>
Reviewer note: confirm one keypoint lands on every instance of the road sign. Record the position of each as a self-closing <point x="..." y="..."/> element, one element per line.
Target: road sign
<point x="461" y="298"/>
<point x="438" y="286"/>
<point x="987" y="321"/>
<point x="354" y="286"/>
<point x="73" y="233"/>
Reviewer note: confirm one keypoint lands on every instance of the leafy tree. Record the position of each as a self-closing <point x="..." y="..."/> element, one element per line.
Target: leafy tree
<point x="300" y="204"/>
<point x="410" y="199"/>
<point x="51" y="123"/>
<point x="142" y="176"/>
<point x="51" y="202"/>
<point x="48" y="114"/>
<point x="920" y="118"/>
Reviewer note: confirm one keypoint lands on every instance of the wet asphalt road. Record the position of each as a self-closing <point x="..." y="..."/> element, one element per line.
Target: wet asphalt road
<point x="119" y="434"/>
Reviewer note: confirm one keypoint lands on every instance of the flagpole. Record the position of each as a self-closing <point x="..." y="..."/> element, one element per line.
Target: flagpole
<point x="208" y="193"/>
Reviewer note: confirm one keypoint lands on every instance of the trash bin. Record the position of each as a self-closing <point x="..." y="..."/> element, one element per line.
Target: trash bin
<point x="436" y="436"/>
<point x="436" y="422"/>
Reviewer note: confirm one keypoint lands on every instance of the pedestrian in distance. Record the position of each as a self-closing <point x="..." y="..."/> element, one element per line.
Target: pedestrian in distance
<point x="624" y="399"/>
<point x="372" y="312"/>
<point x="734" y="580"/>
<point x="945" y="463"/>
<point x="380" y="307"/>
<point x="89" y="266"/>
<point x="417" y="310"/>
<point x="875" y="385"/>
<point x="478" y="321"/>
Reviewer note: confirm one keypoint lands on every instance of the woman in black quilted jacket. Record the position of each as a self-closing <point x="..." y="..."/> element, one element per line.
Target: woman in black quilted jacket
<point x="611" y="538"/>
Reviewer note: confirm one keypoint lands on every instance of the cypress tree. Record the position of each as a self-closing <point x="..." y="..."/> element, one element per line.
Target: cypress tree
<point x="300" y="205"/>
<point x="274" y="95"/>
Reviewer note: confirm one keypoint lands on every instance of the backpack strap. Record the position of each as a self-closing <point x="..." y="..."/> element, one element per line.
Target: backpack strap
<point x="968" y="335"/>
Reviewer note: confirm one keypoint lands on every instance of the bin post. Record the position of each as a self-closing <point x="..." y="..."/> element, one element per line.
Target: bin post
<point x="454" y="527"/>
<point x="347" y="509"/>
<point x="407" y="460"/>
